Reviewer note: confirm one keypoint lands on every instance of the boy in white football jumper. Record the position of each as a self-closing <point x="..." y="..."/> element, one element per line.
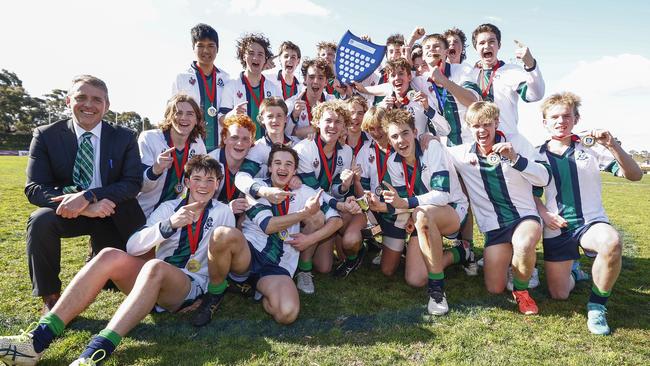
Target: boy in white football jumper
<point x="164" y="151"/>
<point x="425" y="182"/>
<point x="325" y="163"/>
<point x="269" y="243"/>
<point x="573" y="214"/>
<point x="178" y="231"/>
<point x="457" y="45"/>
<point x="273" y="116"/>
<point x="499" y="174"/>
<point x="203" y="81"/>
<point x="316" y="72"/>
<point x="285" y="77"/>
<point x="244" y="94"/>
<point x="501" y="83"/>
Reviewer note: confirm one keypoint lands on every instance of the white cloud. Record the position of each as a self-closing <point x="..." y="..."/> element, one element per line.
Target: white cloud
<point x="493" y="18"/>
<point x="614" y="92"/>
<point x="277" y="8"/>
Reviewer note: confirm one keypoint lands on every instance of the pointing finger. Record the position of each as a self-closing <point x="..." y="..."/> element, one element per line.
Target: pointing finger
<point x="519" y="44"/>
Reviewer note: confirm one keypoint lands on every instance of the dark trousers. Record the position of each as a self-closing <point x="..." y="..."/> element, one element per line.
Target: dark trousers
<point x="44" y="232"/>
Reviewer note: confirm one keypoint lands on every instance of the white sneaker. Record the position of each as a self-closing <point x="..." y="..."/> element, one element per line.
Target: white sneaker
<point x="377" y="259"/>
<point x="305" y="282"/>
<point x="532" y="283"/>
<point x="437" y="303"/>
<point x="94" y="360"/>
<point x="19" y="350"/>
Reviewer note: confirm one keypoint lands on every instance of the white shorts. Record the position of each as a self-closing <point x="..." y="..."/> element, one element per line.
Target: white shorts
<point x="196" y="291"/>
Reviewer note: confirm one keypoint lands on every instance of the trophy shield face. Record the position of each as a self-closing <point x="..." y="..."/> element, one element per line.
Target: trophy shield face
<point x="356" y="59"/>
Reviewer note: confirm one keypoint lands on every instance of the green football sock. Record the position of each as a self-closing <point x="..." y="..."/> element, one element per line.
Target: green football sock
<point x="111" y="336"/>
<point x="519" y="285"/>
<point x="217" y="289"/>
<point x="305" y="266"/>
<point x="53" y="322"/>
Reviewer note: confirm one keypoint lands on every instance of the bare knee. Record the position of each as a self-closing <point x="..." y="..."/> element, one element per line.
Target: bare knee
<point x="153" y="271"/>
<point x="287" y="312"/>
<point x="415" y="279"/>
<point x="223" y="237"/>
<point x="495" y="288"/>
<point x="559" y="293"/>
<point x="612" y="246"/>
<point x="322" y="267"/>
<point x="108" y="256"/>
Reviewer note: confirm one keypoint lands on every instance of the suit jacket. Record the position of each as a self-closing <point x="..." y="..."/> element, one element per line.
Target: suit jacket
<point x="52" y="155"/>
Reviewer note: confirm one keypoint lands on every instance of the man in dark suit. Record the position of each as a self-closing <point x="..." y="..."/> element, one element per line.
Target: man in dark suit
<point x="84" y="174"/>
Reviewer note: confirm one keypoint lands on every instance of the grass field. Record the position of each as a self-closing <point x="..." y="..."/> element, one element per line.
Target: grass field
<point x="365" y="320"/>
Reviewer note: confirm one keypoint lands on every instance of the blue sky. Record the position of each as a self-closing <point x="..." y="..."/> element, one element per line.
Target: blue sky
<point x="596" y="49"/>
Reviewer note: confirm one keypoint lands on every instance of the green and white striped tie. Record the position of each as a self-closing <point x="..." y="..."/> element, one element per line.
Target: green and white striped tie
<point x="82" y="173"/>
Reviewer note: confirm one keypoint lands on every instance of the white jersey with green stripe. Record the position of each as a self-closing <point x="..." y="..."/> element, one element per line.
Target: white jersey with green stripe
<point x="453" y="111"/>
<point x="151" y="143"/>
<point x="188" y="82"/>
<point x="575" y="189"/>
<point x="371" y="164"/>
<point x="237" y="92"/>
<point x="172" y="245"/>
<point x="311" y="168"/>
<point x="255" y="164"/>
<point x="275" y="75"/>
<point x="272" y="247"/>
<point x="502" y="193"/>
<point x="303" y="120"/>
<point x="436" y="181"/>
<point x="510" y="83"/>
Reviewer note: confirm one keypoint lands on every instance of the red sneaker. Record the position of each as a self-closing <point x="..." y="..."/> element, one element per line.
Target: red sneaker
<point x="526" y="303"/>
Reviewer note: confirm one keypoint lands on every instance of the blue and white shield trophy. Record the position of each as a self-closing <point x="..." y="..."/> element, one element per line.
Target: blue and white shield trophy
<point x="356" y="59"/>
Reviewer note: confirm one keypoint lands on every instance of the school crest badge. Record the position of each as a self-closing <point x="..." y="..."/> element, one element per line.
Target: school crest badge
<point x="371" y="159"/>
<point x="339" y="161"/>
<point x="239" y="94"/>
<point x="356" y="59"/>
<point x="315" y="164"/>
<point x="220" y="82"/>
<point x="192" y="80"/>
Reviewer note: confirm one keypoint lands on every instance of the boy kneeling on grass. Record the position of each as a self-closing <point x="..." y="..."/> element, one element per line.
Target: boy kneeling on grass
<point x="573" y="213"/>
<point x="179" y="230"/>
<point x="269" y="244"/>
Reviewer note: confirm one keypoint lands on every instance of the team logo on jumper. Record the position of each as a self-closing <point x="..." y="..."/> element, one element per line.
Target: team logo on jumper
<point x="268" y="94"/>
<point x="356" y="59"/>
<point x="582" y="155"/>
<point x="431" y="88"/>
<point x="371" y="159"/>
<point x="209" y="223"/>
<point x="410" y="109"/>
<point x="303" y="116"/>
<point x="220" y="82"/>
<point x="239" y="94"/>
<point x="424" y="167"/>
<point x="339" y="161"/>
<point x="315" y="163"/>
<point x="192" y="153"/>
<point x="192" y="80"/>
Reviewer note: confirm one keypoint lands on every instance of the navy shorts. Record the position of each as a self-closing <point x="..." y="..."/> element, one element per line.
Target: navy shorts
<point x="564" y="247"/>
<point x="261" y="267"/>
<point x="504" y="235"/>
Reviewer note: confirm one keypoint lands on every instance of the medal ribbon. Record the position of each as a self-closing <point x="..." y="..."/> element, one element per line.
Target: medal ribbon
<point x="230" y="191"/>
<point x="193" y="237"/>
<point x="211" y="94"/>
<point x="179" y="167"/>
<point x="308" y="106"/>
<point x="410" y="186"/>
<point x="250" y="90"/>
<point x="441" y="99"/>
<point x="381" y="171"/>
<point x="293" y="89"/>
<point x="286" y="204"/>
<point x="486" y="91"/>
<point x="358" y="146"/>
<point x="498" y="133"/>
<point x="323" y="158"/>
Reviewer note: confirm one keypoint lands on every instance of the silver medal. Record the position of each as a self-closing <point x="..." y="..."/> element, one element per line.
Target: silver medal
<point x="212" y="111"/>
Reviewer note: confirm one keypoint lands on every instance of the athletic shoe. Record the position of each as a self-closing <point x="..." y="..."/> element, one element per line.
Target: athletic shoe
<point x="526" y="303"/>
<point x="468" y="260"/>
<point x="94" y="360"/>
<point x="245" y="288"/>
<point x="596" y="320"/>
<point x="348" y="266"/>
<point x="305" y="282"/>
<point x="19" y="350"/>
<point x="377" y="259"/>
<point x="532" y="283"/>
<point x="209" y="305"/>
<point x="437" y="301"/>
<point x="578" y="273"/>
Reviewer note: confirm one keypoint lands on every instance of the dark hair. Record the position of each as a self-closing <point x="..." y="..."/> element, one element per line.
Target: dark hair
<point x="205" y="163"/>
<point x="280" y="147"/>
<point x="204" y="31"/>
<point x="395" y="39"/>
<point x="437" y="36"/>
<point x="483" y="28"/>
<point x="289" y="46"/>
<point x="245" y="42"/>
<point x="463" y="39"/>
<point x="320" y="64"/>
<point x="400" y="63"/>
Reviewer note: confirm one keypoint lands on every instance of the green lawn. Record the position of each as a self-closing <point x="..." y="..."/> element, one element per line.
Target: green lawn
<point x="365" y="320"/>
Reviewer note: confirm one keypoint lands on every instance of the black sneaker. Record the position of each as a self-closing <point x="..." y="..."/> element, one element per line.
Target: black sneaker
<point x="245" y="288"/>
<point x="209" y="305"/>
<point x="348" y="266"/>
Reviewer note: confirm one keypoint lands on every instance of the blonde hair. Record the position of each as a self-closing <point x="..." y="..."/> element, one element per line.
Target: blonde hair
<point x="481" y="111"/>
<point x="374" y="117"/>
<point x="170" y="115"/>
<point x="565" y="98"/>
<point x="334" y="106"/>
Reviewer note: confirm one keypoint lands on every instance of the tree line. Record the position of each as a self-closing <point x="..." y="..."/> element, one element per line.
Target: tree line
<point x="20" y="112"/>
